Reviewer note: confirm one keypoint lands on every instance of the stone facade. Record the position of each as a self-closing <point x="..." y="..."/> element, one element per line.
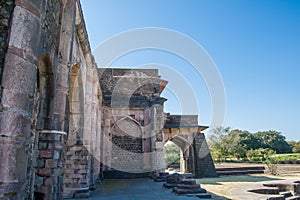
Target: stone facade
<point x="64" y="123"/>
<point x="134" y="120"/>
<point x="185" y="132"/>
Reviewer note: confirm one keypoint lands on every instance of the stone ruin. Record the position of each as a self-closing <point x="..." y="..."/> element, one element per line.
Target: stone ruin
<point x="64" y="122"/>
<point x="182" y="185"/>
<point x="280" y="191"/>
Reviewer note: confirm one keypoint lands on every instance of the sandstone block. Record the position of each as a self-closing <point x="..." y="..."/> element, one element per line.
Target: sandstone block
<point x="45" y="172"/>
<point x="46" y="154"/>
<point x="27" y="25"/>
<point x="51" y="163"/>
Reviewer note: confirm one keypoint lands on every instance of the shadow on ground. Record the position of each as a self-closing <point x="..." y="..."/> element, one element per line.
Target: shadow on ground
<point x="135" y="189"/>
<point x="236" y="178"/>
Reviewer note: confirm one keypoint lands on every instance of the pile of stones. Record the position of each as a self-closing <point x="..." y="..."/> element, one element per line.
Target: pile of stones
<point x="182" y="186"/>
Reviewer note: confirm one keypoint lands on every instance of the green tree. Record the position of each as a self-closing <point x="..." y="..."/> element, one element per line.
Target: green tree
<point x="171" y="154"/>
<point x="218" y="143"/>
<point x="295" y="146"/>
<point x="240" y="142"/>
<point x="273" y="140"/>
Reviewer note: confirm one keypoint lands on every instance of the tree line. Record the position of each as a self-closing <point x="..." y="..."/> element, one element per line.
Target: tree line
<point x="225" y="143"/>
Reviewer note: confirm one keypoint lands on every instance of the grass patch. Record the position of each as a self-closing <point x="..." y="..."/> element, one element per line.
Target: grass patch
<point x="289" y="156"/>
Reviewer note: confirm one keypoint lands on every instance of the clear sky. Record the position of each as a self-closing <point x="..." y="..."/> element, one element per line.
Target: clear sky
<point x="255" y="45"/>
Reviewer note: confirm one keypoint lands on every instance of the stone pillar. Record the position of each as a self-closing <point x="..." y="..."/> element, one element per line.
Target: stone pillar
<point x="204" y="165"/>
<point x="18" y="85"/>
<point x="157" y="116"/>
<point x="49" y="164"/>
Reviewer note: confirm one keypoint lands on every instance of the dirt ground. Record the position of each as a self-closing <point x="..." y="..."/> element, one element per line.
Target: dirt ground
<point x="221" y="186"/>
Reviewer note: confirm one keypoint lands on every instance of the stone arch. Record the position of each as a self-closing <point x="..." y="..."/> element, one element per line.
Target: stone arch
<point x="76" y="164"/>
<point x="124" y="124"/>
<point x="187" y="161"/>
<point x="44" y="96"/>
<point x="127" y="145"/>
<point x="42" y="122"/>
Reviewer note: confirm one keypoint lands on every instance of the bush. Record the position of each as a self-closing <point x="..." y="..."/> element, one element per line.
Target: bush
<point x="259" y="154"/>
<point x="272" y="165"/>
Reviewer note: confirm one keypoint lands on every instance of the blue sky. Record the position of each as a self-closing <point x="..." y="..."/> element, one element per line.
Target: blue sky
<point x="255" y="45"/>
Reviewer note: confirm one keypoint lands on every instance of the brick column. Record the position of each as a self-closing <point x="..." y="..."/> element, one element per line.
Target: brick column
<point x="49" y="164"/>
<point x="76" y="183"/>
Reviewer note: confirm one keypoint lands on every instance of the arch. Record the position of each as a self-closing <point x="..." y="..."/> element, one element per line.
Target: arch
<point x="75" y="180"/>
<point x="76" y="106"/>
<point x="126" y="128"/>
<point x="44" y="97"/>
<point x="42" y="115"/>
<point x="186" y="154"/>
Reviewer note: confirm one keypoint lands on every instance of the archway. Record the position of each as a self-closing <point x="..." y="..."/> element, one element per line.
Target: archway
<point x="186" y="153"/>
<point x="45" y="137"/>
<point x="127" y="145"/>
<point x="76" y="165"/>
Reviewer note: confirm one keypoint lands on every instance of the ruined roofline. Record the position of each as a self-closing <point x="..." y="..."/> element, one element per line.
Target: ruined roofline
<point x="147" y="82"/>
<point x="200" y="127"/>
<point x="183" y="121"/>
<point x="81" y="32"/>
<point x="122" y="71"/>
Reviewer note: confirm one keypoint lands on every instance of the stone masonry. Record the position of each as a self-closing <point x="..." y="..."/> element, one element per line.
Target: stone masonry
<point x="65" y="124"/>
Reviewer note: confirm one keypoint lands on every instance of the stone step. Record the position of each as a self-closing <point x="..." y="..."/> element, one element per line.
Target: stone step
<point x="293" y="198"/>
<point x="170" y="185"/>
<point x="160" y="179"/>
<point x="265" y="190"/>
<point x="189" y="191"/>
<point x="259" y="168"/>
<point x="286" y="194"/>
<point x="278" y="197"/>
<point x="186" y="186"/>
<point x="188" y="181"/>
<point x="200" y="195"/>
<point x="237" y="172"/>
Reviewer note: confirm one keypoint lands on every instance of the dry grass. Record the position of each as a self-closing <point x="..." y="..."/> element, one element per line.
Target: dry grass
<point x="221" y="186"/>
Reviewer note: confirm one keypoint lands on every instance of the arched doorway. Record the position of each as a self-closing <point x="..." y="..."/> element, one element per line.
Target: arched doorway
<point x="186" y="154"/>
<point x="127" y="145"/>
<point x="76" y="177"/>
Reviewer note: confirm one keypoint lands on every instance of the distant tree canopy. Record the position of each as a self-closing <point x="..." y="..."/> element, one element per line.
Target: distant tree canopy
<point x="273" y="140"/>
<point x="295" y="146"/>
<point x="225" y="142"/>
<point x="172" y="154"/>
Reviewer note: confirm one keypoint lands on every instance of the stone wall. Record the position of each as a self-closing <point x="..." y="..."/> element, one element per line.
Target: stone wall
<point x="133" y="121"/>
<point x="54" y="129"/>
<point x="43" y="44"/>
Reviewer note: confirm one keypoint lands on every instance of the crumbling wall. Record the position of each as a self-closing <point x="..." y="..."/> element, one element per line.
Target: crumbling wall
<point x="43" y="40"/>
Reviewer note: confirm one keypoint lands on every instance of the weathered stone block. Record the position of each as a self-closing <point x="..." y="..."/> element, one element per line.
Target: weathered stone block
<point x="14" y="124"/>
<point x="43" y="145"/>
<point x="56" y="154"/>
<point x="44" y="172"/>
<point x="18" y="68"/>
<point x="51" y="181"/>
<point x="57" y="172"/>
<point x="51" y="163"/>
<point x="297" y="188"/>
<point x="38" y="180"/>
<point x="46" y="154"/>
<point x="27" y="25"/>
<point x="15" y="99"/>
